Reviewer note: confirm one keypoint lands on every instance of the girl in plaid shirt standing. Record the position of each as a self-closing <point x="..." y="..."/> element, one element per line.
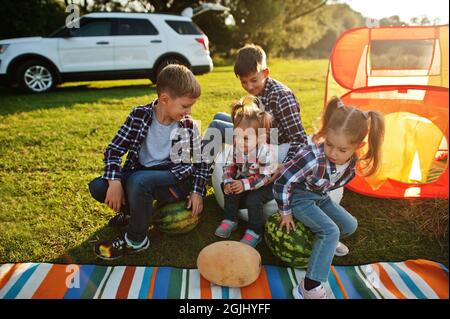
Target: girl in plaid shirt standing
<point x="248" y="169"/>
<point x="302" y="188"/>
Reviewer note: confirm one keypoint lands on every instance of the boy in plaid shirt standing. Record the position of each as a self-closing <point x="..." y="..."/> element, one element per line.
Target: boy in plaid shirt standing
<point x="163" y="162"/>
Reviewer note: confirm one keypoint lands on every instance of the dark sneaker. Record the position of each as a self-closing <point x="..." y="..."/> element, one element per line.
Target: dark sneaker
<point x="114" y="249"/>
<point x="119" y="221"/>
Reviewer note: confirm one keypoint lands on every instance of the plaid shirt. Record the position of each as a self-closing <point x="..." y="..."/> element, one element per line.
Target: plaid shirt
<point x="132" y="134"/>
<point x="281" y="103"/>
<point x="310" y="169"/>
<point x="253" y="174"/>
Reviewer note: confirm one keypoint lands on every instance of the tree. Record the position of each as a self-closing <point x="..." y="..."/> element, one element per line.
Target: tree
<point x="30" y="17"/>
<point x="392" y="21"/>
<point x="295" y="9"/>
<point x="315" y="34"/>
<point x="262" y="22"/>
<point x="259" y="21"/>
<point x="422" y="20"/>
<point x="289" y="27"/>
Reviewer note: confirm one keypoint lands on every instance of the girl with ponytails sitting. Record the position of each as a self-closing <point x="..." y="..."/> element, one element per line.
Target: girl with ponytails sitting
<point x="248" y="168"/>
<point x="301" y="190"/>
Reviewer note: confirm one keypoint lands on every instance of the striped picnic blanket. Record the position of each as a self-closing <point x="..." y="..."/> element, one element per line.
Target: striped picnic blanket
<point x="411" y="279"/>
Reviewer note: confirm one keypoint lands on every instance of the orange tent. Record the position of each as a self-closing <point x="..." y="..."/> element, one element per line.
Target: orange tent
<point x="403" y="73"/>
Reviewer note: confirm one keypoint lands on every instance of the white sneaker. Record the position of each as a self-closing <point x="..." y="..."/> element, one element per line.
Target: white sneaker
<point x="341" y="250"/>
<point x="299" y="292"/>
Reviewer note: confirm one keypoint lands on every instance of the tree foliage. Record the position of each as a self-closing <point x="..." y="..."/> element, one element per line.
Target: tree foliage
<point x="315" y="34"/>
<point x="391" y="21"/>
<point x="30" y="17"/>
<point x="289" y="27"/>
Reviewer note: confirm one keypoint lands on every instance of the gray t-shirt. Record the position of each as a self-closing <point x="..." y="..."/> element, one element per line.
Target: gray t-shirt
<point x="155" y="149"/>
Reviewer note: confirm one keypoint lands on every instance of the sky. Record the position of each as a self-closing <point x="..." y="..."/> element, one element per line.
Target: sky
<point x="405" y="9"/>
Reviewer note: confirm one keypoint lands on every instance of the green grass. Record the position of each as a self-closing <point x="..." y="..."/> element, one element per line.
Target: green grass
<point x="51" y="146"/>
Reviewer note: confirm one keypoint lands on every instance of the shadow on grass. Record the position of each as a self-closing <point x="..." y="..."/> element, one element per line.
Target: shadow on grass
<point x="14" y="101"/>
<point x="387" y="232"/>
<point x="391" y="230"/>
<point x="165" y="250"/>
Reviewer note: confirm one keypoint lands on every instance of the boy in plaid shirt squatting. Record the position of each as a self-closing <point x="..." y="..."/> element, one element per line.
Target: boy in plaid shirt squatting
<point x="163" y="162"/>
<point x="248" y="168"/>
<point x="301" y="191"/>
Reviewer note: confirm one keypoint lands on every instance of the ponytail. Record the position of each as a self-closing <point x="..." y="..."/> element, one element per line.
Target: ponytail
<point x="264" y="120"/>
<point x="372" y="158"/>
<point x="247" y="109"/>
<point x="331" y="107"/>
<point x="358" y="125"/>
<point x="236" y="112"/>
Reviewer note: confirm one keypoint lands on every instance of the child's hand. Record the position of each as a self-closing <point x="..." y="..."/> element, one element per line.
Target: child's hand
<point x="227" y="189"/>
<point x="237" y="187"/>
<point x="115" y="196"/>
<point x="288" y="222"/>
<point x="195" y="201"/>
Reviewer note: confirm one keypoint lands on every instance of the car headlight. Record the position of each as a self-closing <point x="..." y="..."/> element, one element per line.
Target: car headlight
<point x="3" y="47"/>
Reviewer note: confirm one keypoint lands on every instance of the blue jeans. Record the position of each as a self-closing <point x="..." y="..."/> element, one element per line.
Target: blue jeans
<point x="141" y="187"/>
<point x="328" y="221"/>
<point x="254" y="201"/>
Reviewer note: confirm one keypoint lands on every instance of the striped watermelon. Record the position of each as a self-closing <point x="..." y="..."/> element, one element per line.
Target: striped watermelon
<point x="174" y="218"/>
<point x="293" y="248"/>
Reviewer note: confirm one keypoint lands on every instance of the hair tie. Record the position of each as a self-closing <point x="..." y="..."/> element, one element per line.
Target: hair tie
<point x="340" y="104"/>
<point x="365" y="114"/>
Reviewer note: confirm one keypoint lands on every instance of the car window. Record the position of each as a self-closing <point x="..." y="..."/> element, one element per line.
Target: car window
<point x="184" y="27"/>
<point x="136" y="27"/>
<point x="93" y="28"/>
<point x="59" y="33"/>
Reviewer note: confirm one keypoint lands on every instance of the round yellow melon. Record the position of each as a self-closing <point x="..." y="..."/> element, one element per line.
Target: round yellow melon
<point x="229" y="263"/>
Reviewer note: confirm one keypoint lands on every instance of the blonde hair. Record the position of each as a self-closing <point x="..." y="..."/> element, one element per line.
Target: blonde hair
<point x="178" y="81"/>
<point x="246" y="112"/>
<point x="355" y="124"/>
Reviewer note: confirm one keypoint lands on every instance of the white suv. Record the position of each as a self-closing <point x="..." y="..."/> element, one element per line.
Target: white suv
<point x="107" y="46"/>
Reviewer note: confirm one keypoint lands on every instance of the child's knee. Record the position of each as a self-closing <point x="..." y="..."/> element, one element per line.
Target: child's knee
<point x="350" y="227"/>
<point x="330" y="232"/>
<point x="221" y="116"/>
<point x="216" y="124"/>
<point x="98" y="188"/>
<point x="231" y="197"/>
<point x="253" y="198"/>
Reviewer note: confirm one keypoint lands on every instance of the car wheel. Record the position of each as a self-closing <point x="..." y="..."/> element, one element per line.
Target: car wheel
<point x="164" y="63"/>
<point x="36" y="77"/>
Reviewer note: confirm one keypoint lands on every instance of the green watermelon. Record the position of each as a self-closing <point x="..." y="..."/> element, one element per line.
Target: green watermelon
<point x="174" y="218"/>
<point x="293" y="248"/>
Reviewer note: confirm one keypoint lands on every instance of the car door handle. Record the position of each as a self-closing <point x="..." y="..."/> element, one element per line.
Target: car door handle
<point x="155" y="41"/>
<point x="102" y="42"/>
